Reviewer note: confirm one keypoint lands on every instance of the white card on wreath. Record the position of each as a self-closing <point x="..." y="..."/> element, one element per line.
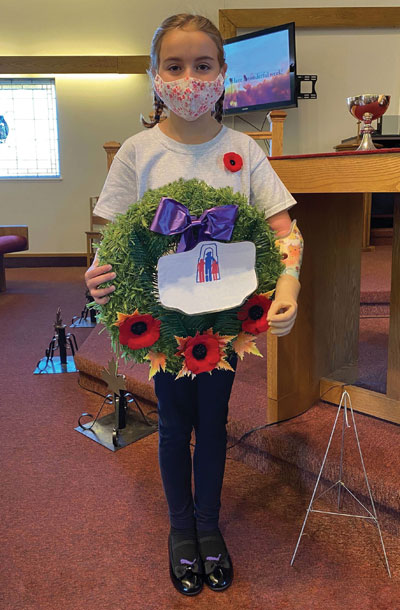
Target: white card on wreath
<point x="212" y="277"/>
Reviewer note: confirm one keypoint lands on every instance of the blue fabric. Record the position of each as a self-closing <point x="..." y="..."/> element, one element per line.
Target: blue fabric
<point x="202" y="404"/>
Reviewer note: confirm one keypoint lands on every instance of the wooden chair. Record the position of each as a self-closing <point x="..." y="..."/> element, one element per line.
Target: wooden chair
<point x="94" y="235"/>
<point x="276" y="119"/>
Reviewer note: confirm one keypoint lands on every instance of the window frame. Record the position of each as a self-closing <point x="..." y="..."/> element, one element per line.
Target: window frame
<point x="9" y="80"/>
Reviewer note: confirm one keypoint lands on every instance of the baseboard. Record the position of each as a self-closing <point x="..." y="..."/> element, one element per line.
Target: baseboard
<point x="75" y="259"/>
<point x="382" y="237"/>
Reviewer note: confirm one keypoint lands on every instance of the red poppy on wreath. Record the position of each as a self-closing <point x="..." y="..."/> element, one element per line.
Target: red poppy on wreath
<point x="136" y="330"/>
<point x="254" y="314"/>
<point x="233" y="162"/>
<point x="202" y="353"/>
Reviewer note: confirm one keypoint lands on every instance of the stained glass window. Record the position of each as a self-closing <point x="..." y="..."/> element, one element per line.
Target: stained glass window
<point x="29" y="109"/>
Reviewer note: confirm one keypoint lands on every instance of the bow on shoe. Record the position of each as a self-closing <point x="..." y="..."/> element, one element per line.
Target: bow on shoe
<point x="211" y="563"/>
<point x="186" y="566"/>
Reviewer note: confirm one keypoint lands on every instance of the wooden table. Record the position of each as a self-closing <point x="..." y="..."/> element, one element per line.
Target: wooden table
<point x="322" y="349"/>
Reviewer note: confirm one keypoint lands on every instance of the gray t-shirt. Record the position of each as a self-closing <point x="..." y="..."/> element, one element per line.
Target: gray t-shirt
<point x="150" y="159"/>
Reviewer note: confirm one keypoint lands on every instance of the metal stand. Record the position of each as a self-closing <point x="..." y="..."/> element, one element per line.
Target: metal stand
<point x="121" y="428"/>
<point x="62" y="342"/>
<point x="107" y="430"/>
<point x="83" y="321"/>
<point x="367" y="131"/>
<point x="370" y="516"/>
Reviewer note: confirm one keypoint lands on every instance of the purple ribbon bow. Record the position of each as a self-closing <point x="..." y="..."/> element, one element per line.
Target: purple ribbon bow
<point x="185" y="566"/>
<point x="173" y="218"/>
<point x="211" y="563"/>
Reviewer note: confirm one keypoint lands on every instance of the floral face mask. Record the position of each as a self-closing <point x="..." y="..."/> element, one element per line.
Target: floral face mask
<point x="189" y="97"/>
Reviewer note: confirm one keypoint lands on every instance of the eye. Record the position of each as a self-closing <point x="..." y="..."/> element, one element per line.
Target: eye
<point x="203" y="67"/>
<point x="173" y="68"/>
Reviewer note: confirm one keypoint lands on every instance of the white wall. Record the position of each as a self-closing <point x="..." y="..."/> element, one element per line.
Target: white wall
<point x="347" y="63"/>
<point x="91" y="111"/>
<point x="95" y="109"/>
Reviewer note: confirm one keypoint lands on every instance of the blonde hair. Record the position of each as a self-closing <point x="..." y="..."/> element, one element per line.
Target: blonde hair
<point x="190" y="22"/>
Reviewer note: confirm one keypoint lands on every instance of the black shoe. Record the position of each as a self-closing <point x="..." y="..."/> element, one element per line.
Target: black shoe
<point x="186" y="575"/>
<point x="218" y="570"/>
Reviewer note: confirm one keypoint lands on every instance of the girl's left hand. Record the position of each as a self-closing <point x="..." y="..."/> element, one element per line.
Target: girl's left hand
<point x="283" y="311"/>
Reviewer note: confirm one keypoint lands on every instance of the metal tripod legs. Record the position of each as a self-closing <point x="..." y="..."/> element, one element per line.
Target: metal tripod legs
<point x="372" y="516"/>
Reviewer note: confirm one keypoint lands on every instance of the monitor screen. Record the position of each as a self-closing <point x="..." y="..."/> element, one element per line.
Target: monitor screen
<point x="261" y="70"/>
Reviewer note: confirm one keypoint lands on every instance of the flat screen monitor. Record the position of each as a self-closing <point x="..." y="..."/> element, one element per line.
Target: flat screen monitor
<point x="261" y="70"/>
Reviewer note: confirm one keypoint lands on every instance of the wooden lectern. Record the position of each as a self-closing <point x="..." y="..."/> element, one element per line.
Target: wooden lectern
<point x="322" y="349"/>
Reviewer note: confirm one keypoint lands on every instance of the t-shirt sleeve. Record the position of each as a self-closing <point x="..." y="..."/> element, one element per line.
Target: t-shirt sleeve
<point x="120" y="188"/>
<point x="267" y="191"/>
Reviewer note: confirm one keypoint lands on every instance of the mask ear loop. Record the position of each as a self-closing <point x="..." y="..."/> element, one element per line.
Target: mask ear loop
<point x="219" y="108"/>
<point x="158" y="105"/>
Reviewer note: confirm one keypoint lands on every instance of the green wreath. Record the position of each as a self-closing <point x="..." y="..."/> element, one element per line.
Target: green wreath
<point x="141" y="328"/>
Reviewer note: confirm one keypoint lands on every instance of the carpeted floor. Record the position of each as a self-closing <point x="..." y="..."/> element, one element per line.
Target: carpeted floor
<point x="85" y="528"/>
<point x="376" y="269"/>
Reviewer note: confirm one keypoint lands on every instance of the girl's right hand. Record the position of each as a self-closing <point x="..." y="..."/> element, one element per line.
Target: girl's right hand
<point x="97" y="275"/>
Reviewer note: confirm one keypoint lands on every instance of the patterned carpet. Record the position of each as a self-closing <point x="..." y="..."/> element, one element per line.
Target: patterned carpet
<point x="85" y="528"/>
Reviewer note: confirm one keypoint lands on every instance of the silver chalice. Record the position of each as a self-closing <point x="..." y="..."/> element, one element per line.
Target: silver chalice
<point x="367" y="108"/>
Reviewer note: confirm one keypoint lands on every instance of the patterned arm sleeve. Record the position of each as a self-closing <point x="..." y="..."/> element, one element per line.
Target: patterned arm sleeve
<point x="291" y="247"/>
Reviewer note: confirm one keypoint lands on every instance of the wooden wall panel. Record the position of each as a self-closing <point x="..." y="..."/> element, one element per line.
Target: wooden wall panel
<point x="61" y="64"/>
<point x="229" y="21"/>
<point x="393" y="374"/>
<point x="226" y="27"/>
<point x="332" y="17"/>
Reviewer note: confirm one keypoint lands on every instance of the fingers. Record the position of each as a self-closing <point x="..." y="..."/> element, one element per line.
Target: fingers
<point x="100" y="295"/>
<point x="281" y="312"/>
<point x="93" y="282"/>
<point x="101" y="301"/>
<point x="281" y="317"/>
<point x="97" y="275"/>
<point x="279" y="323"/>
<point x="281" y="332"/>
<point x="283" y="328"/>
<point x="95" y="270"/>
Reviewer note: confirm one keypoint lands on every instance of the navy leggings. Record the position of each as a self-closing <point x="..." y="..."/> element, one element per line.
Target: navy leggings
<point x="183" y="404"/>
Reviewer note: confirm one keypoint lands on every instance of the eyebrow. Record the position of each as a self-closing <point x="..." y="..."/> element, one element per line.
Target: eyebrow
<point x="197" y="58"/>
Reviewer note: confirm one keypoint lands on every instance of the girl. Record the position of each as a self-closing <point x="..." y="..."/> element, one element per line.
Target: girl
<point x="187" y="71"/>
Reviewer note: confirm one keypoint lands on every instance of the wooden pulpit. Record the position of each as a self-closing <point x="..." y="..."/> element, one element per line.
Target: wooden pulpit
<point x="322" y="349"/>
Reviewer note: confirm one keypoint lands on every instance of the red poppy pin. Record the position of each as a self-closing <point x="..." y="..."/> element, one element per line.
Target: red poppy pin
<point x="233" y="162"/>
